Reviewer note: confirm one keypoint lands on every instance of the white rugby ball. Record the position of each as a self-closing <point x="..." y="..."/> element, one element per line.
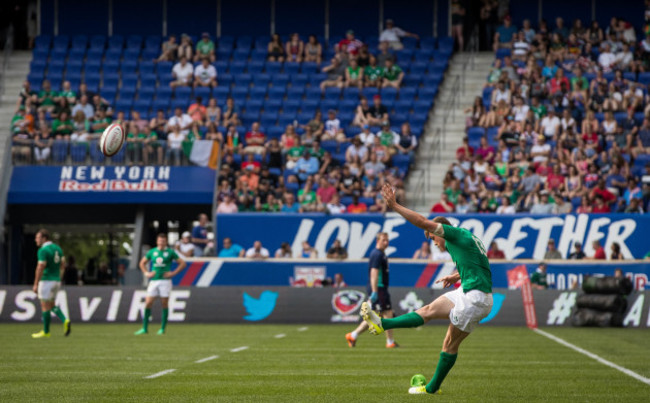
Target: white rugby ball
<point x="112" y="140"/>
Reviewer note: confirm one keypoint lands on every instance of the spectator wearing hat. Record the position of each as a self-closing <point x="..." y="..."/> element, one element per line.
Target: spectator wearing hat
<point x="349" y="44"/>
<point x="306" y="166"/>
<point x="393" y="75"/>
<point x="185" y="48"/>
<point x="578" y="253"/>
<point x="377" y="113"/>
<point x="505" y="34"/>
<point x="335" y="74"/>
<point x="367" y="137"/>
<point x="182" y="73"/>
<point x="392" y="35"/>
<point x="205" y="49"/>
<point x="185" y="247"/>
<point x="357" y="152"/>
<point x="538" y="278"/>
<point x="551" y="251"/>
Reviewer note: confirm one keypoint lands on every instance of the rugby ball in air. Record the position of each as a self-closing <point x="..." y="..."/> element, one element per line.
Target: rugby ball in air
<point x="112" y="140"/>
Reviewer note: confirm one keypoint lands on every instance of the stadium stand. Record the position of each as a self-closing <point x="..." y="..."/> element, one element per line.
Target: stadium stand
<point x="123" y="81"/>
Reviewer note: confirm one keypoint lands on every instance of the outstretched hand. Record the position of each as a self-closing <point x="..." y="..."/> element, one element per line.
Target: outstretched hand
<point x="388" y="193"/>
<point x="449" y="280"/>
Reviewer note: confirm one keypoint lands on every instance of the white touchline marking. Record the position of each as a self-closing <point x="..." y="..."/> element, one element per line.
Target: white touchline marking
<point x="161" y="373"/>
<point x="202" y="360"/>
<point x="595" y="357"/>
<point x="279" y="336"/>
<point x="238" y="349"/>
<point x="302" y="329"/>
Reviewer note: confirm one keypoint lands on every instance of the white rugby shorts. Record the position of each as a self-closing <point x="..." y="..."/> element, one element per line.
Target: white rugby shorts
<point x="159" y="288"/>
<point x="469" y="308"/>
<point x="47" y="289"/>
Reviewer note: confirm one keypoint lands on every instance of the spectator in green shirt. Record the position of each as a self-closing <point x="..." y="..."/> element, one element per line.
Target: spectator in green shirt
<point x="307" y="196"/>
<point x="373" y="74"/>
<point x="393" y="75"/>
<point x="152" y="147"/>
<point x="205" y="48"/>
<point x="62" y="127"/>
<point x="46" y="97"/>
<point x="538" y="279"/>
<point x="67" y="93"/>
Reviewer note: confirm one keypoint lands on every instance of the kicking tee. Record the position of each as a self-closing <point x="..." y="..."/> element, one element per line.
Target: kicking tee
<point x="161" y="261"/>
<point x="51" y="254"/>
<point x="379" y="261"/>
<point x="470" y="257"/>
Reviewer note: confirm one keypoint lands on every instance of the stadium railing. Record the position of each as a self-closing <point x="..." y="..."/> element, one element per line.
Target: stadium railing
<point x="87" y="152"/>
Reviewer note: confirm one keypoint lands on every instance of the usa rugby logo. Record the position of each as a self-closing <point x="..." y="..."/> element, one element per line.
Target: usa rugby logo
<point x="346" y="303"/>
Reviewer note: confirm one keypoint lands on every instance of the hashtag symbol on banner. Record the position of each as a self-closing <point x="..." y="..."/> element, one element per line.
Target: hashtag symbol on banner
<point x="561" y="308"/>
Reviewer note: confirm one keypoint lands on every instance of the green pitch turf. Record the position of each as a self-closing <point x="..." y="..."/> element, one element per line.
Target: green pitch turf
<point x="108" y="363"/>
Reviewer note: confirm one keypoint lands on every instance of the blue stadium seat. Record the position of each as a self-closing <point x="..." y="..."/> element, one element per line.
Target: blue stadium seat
<point x="291" y="68"/>
<point x="245" y="41"/>
<point x="77" y="54"/>
<point x="132" y="54"/>
<point x="116" y="42"/>
<point x="183" y="92"/>
<point x="299" y="79"/>
<point x="255" y="67"/>
<point x="268" y="119"/>
<point x="332" y="93"/>
<point x="351" y="94"/>
<point x="277" y="93"/>
<point x="259" y="55"/>
<point x="203" y="92"/>
<point x="237" y="67"/>
<point x="254" y="104"/>
<point x="97" y="42"/>
<point x="422" y="106"/>
<point x="279" y="80"/>
<point x="95" y="153"/>
<point x="291" y="106"/>
<point x="61" y="42"/>
<point x="42" y="54"/>
<point x="239" y="94"/>
<point x="241" y="54"/>
<point x="153" y="41"/>
<point x="243" y="79"/>
<point x="261" y="80"/>
<point x="146" y="67"/>
<point x="309" y="68"/>
<point x="295" y="92"/>
<point x="146" y="93"/>
<point x="221" y="93"/>
<point x="427" y="92"/>
<point x="134" y="42"/>
<point x="275" y="132"/>
<point x="273" y="67"/>
<point x="248" y="118"/>
<point x="286" y="119"/>
<point x="328" y="104"/>
<point x="225" y="80"/>
<point x="223" y="53"/>
<point x="78" y="152"/>
<point x="160" y="103"/>
<point x="221" y="66"/>
<point x="370" y="92"/>
<point x="182" y="103"/>
<point x="42" y="42"/>
<point x="304" y="117"/>
<point x="258" y="92"/>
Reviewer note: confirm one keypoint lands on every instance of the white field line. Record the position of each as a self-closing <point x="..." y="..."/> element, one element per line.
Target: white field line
<point x="238" y="349"/>
<point x="161" y="373"/>
<point x="206" y="359"/>
<point x="595" y="357"/>
<point x="302" y="329"/>
<point x="279" y="336"/>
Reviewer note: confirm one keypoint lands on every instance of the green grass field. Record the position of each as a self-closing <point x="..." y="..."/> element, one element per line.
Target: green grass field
<point x="108" y="363"/>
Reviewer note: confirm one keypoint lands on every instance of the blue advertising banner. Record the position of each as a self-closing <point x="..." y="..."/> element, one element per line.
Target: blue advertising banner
<point x="403" y="273"/>
<point x="111" y="184"/>
<point x="519" y="236"/>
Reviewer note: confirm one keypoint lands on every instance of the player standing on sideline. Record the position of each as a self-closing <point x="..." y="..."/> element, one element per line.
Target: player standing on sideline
<point x="378" y="290"/>
<point x="160" y="285"/>
<point x="464" y="307"/>
<point x="47" y="282"/>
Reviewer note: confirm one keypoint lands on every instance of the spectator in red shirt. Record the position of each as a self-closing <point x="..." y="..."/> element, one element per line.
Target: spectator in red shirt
<point x="600" y="190"/>
<point x="356" y="206"/>
<point x="599" y="253"/>
<point x="558" y="81"/>
<point x="251" y="164"/>
<point x="349" y="44"/>
<point x="465" y="149"/>
<point x="600" y="206"/>
<point x="255" y="140"/>
<point x="494" y="252"/>
<point x="444" y="205"/>
<point x="325" y="191"/>
<point x="554" y="180"/>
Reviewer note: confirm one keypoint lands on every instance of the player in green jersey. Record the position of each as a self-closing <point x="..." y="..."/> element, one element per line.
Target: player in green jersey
<point x="464" y="307"/>
<point x="160" y="284"/>
<point x="47" y="282"/>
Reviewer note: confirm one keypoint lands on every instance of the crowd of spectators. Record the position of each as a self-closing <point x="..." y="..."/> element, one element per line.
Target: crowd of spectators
<point x="563" y="125"/>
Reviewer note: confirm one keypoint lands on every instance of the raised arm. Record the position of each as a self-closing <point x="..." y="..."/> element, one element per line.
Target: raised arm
<point x="411" y="216"/>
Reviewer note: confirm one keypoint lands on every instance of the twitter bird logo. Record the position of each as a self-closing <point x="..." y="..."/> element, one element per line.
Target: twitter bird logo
<point x="260" y="308"/>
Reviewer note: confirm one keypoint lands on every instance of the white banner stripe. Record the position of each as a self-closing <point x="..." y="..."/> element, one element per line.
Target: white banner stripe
<point x="238" y="349"/>
<point x="595" y="357"/>
<point x="206" y="359"/>
<point x="209" y="273"/>
<point x="161" y="373"/>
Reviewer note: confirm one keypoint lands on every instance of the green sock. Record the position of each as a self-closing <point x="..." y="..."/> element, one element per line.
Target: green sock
<point x="145" y="319"/>
<point x="444" y="366"/>
<point x="411" y="319"/>
<point x="163" y="323"/>
<point x="46" y="321"/>
<point x="58" y="312"/>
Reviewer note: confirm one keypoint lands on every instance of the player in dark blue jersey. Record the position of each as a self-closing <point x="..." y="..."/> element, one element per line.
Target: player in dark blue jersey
<point x="378" y="274"/>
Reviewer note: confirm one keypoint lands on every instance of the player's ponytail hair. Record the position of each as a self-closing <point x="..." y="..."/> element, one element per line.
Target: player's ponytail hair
<point x="44" y="233"/>
<point x="441" y="220"/>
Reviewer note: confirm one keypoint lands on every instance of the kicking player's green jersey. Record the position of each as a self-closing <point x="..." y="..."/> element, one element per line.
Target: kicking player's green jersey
<point x="161" y="261"/>
<point x="470" y="256"/>
<point x="51" y="254"/>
